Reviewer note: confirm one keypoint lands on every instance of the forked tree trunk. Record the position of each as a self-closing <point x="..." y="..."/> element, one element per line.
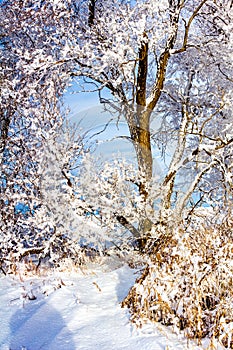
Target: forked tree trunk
<point x="139" y="127"/>
<point x="141" y="138"/>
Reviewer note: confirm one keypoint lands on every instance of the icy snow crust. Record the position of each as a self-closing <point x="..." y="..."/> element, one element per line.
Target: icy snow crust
<point x="76" y="311"/>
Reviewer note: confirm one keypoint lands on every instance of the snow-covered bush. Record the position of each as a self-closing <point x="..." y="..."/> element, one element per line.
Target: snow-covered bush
<point x="75" y="207"/>
<point x="189" y="283"/>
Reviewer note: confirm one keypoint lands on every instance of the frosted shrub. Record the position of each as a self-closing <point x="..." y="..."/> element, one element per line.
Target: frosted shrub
<point x="189" y="284"/>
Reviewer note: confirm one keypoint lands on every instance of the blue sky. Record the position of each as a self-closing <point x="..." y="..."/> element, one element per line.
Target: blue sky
<point x="86" y="111"/>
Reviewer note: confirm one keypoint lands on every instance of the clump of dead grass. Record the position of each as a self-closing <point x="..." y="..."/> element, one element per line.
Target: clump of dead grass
<point x="189" y="284"/>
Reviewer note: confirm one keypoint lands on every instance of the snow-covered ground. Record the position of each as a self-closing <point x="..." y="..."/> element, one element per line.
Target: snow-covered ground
<point x="76" y="311"/>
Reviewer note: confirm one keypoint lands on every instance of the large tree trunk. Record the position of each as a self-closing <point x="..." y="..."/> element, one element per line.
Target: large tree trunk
<point x="139" y="126"/>
<point x="140" y="136"/>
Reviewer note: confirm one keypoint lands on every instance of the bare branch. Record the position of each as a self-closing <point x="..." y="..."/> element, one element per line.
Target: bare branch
<point x="142" y="73"/>
<point x="163" y="61"/>
<point x="91" y="17"/>
<point x="182" y="202"/>
<point x="187" y="28"/>
<point x="124" y="222"/>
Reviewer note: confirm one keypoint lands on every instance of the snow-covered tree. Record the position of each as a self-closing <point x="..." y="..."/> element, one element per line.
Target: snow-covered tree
<point x="163" y="59"/>
<point x="30" y="121"/>
<point x="160" y="60"/>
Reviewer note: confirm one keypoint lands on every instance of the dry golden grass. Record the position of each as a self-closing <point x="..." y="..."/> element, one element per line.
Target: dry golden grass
<point x="189" y="284"/>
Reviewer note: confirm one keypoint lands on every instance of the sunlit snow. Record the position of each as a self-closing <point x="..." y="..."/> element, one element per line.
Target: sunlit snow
<point x="76" y="311"/>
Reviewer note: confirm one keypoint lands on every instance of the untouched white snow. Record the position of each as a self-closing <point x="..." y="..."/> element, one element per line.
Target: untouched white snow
<point x="76" y="311"/>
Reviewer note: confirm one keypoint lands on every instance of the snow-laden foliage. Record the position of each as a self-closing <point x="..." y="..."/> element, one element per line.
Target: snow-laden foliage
<point x="189" y="283"/>
<point x="160" y="60"/>
<point x="30" y="116"/>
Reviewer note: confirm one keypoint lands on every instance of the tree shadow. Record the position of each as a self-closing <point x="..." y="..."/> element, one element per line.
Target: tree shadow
<point x="39" y="326"/>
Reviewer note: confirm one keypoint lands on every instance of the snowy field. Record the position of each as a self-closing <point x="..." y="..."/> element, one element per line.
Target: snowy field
<point x="76" y="311"/>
